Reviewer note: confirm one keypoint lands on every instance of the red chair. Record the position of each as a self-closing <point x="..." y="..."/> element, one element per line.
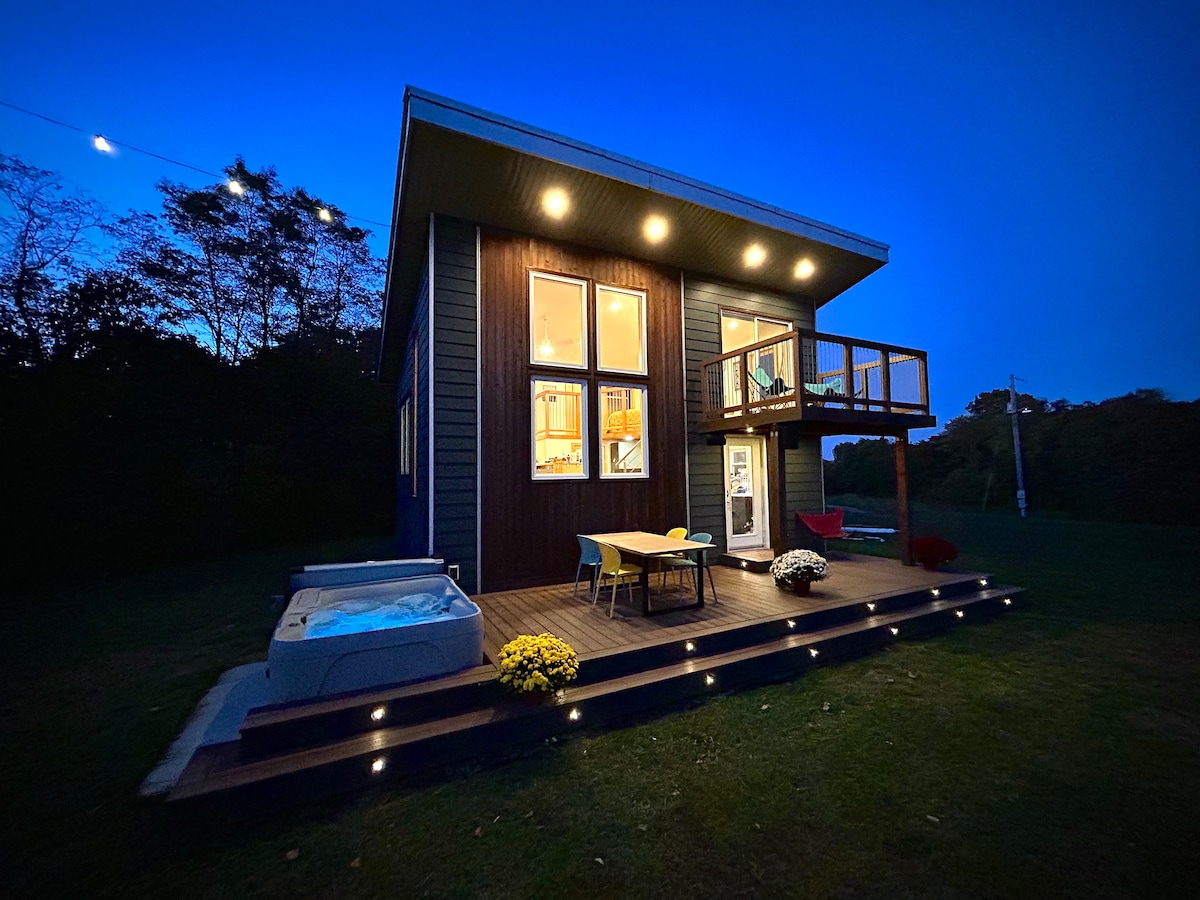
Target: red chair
<point x="823" y="525"/>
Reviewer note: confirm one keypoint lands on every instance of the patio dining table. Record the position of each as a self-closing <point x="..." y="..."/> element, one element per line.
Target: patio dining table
<point x="648" y="546"/>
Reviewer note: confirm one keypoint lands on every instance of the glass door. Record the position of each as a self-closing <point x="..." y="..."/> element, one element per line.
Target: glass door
<point x="745" y="493"/>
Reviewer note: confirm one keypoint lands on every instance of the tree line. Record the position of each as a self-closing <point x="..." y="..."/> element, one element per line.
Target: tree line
<point x="186" y="381"/>
<point x="1131" y="459"/>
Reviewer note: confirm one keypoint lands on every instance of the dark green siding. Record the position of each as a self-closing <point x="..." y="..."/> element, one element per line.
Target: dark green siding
<point x="455" y="398"/>
<point x="412" y="507"/>
<point x="702" y="302"/>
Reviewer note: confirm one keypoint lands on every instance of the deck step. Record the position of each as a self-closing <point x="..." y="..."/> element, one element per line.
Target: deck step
<point x="272" y="730"/>
<point x="396" y="750"/>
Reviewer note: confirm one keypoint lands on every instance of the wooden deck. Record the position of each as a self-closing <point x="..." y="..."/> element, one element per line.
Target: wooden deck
<point x="743" y="597"/>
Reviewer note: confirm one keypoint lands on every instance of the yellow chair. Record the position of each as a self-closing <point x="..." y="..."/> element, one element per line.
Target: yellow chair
<point x="611" y="564"/>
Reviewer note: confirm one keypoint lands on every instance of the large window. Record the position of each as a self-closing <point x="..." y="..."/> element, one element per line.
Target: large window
<point x="621" y="330"/>
<point x="622" y="431"/>
<point x="557" y="321"/>
<point x="559" y="414"/>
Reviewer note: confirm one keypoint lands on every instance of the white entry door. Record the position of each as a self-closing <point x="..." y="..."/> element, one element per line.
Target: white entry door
<point x="745" y="493"/>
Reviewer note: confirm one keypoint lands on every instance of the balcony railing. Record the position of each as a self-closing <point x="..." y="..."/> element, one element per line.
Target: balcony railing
<point x="805" y="372"/>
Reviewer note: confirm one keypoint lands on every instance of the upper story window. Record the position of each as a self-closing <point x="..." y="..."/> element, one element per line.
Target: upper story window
<point x="742" y="329"/>
<point x="621" y="330"/>
<point x="557" y="321"/>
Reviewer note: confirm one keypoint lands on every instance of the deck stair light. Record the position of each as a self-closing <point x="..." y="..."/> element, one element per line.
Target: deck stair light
<point x="710" y="679"/>
<point x="813" y="651"/>
<point x="894" y="630"/>
<point x="870" y="607"/>
<point x="378" y="764"/>
<point x="574" y="715"/>
<point x="935" y="593"/>
<point x="689" y="646"/>
<point x="958" y="614"/>
<point x="1007" y="601"/>
<point x="378" y="713"/>
<point x="791" y="623"/>
<point x="983" y="582"/>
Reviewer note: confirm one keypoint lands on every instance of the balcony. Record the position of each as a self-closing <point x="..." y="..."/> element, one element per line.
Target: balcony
<point x="828" y="384"/>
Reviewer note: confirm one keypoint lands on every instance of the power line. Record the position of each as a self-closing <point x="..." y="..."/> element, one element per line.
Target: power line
<point x="105" y="139"/>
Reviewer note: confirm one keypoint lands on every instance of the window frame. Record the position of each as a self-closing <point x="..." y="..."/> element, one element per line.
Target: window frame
<point x="585" y="450"/>
<point x="623" y="476"/>
<point x="643" y="315"/>
<point x="406" y="437"/>
<point x="585" y="320"/>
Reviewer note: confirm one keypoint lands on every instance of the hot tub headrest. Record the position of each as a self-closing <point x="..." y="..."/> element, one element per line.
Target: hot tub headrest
<point x="362" y="572"/>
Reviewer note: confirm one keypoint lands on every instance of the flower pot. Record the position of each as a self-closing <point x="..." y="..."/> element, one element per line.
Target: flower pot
<point x="802" y="587"/>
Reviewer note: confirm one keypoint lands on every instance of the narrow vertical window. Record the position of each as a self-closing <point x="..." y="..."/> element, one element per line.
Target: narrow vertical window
<point x="406" y="446"/>
<point x="623" y="432"/>
<point x="621" y="330"/>
<point x="559" y="414"/>
<point x="557" y="321"/>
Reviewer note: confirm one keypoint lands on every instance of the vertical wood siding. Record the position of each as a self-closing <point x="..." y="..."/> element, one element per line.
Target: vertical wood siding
<point x="412" y="512"/>
<point x="529" y="527"/>
<point x="455" y="398"/>
<point x="702" y="303"/>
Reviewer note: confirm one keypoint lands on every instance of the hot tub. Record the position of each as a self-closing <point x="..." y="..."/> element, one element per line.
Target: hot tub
<point x="332" y="640"/>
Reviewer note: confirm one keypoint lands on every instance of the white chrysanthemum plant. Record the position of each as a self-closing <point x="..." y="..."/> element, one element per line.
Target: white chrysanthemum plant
<point x="798" y="566"/>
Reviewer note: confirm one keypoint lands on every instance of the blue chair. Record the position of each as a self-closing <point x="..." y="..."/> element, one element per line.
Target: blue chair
<point x="703" y="537"/>
<point x="589" y="555"/>
<point x="699" y="561"/>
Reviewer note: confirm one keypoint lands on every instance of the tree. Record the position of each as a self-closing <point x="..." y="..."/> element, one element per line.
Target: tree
<point x="250" y="267"/>
<point x="45" y="227"/>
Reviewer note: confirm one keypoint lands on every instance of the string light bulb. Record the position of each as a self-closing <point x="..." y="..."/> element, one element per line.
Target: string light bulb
<point x="235" y="187"/>
<point x="101" y="144"/>
<point x="324" y="215"/>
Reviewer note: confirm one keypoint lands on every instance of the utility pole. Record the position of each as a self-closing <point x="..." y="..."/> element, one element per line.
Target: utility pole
<point x="1015" y="412"/>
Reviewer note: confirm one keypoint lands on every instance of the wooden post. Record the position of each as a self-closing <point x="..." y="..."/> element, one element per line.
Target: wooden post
<point x="885" y="378"/>
<point x="903" y="511"/>
<point x="777" y="491"/>
<point x="848" y="362"/>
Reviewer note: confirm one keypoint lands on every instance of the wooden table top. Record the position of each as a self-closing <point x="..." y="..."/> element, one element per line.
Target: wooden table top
<point x="645" y="543"/>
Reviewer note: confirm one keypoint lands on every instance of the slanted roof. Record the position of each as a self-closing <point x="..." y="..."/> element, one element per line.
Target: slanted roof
<point x="464" y="162"/>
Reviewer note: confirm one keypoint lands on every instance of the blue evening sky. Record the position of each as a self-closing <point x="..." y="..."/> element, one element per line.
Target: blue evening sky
<point x="1033" y="165"/>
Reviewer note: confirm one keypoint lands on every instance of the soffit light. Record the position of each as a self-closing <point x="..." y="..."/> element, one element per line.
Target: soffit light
<point x="754" y="256"/>
<point x="804" y="269"/>
<point x="655" y="229"/>
<point x="555" y="203"/>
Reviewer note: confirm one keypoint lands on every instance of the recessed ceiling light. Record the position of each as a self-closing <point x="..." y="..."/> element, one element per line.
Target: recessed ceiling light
<point x="555" y="203"/>
<point x="804" y="269"/>
<point x="655" y="229"/>
<point x="754" y="255"/>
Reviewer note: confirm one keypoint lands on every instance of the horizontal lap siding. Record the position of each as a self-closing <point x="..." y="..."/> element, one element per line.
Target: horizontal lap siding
<point x="702" y="303"/>
<point x="412" y="506"/>
<point x="455" y="398"/>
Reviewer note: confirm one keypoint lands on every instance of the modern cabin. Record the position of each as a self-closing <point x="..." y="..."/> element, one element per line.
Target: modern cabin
<point x="585" y="343"/>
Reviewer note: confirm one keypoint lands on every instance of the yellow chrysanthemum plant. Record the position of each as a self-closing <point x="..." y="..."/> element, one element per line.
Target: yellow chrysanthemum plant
<point x="541" y="664"/>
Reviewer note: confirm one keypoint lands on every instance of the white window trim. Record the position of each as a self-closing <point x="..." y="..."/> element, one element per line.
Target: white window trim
<point x="583" y="429"/>
<point x="641" y="295"/>
<point x="626" y="476"/>
<point x="533" y="336"/>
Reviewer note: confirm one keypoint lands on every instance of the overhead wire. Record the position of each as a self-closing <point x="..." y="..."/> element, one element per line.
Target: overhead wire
<point x="127" y="146"/>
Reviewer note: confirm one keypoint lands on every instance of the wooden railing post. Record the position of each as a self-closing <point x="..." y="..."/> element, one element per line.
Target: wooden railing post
<point x="744" y="383"/>
<point x="848" y="350"/>
<point x="885" y="378"/>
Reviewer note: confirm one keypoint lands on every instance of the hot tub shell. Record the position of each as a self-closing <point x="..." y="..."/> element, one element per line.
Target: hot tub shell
<point x="303" y="668"/>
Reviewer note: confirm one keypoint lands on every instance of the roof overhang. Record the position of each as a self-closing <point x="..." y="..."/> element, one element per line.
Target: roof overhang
<point x="469" y="164"/>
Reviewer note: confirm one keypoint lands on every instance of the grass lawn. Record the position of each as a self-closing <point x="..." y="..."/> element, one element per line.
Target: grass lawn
<point x="1051" y="752"/>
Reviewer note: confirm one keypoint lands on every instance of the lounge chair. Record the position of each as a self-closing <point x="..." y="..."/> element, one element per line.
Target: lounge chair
<point x="823" y="525"/>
